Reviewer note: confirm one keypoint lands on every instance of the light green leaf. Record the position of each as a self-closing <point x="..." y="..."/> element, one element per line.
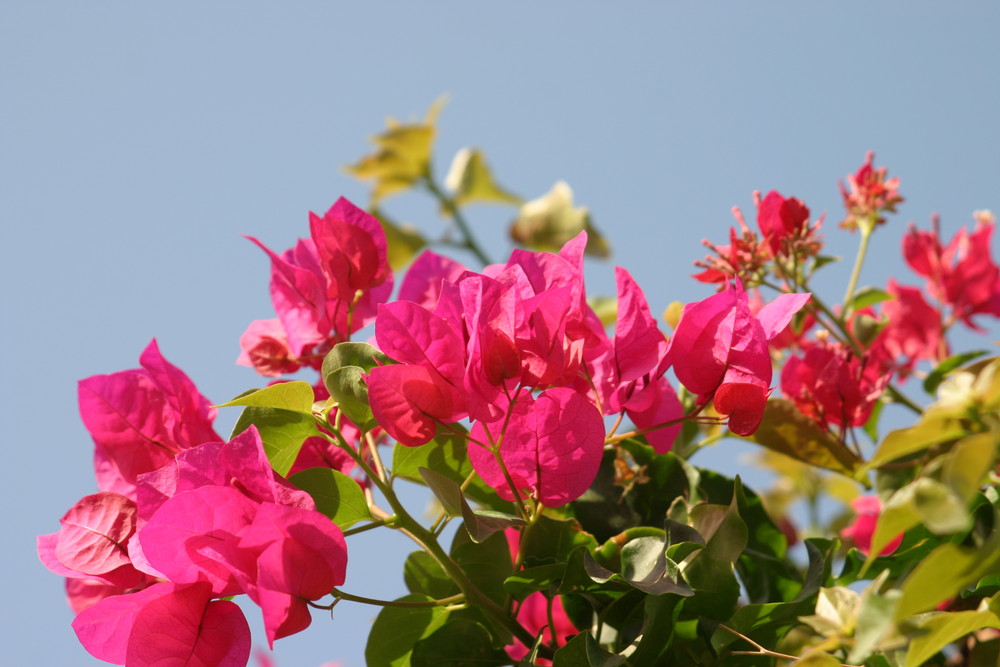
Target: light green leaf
<point x="362" y="355"/>
<point x="472" y="181"/>
<point x="945" y="572"/>
<point x="906" y="441"/>
<point x="337" y="495"/>
<point x="968" y="462"/>
<point x="281" y="431"/>
<point x="295" y="396"/>
<point x="868" y="296"/>
<point x="940" y="372"/>
<point x="942" y="628"/>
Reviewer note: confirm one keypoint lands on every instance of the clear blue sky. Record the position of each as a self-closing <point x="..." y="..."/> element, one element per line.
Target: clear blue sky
<point x="137" y="143"/>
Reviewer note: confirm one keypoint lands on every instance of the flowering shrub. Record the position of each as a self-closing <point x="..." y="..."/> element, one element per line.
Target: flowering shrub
<point x="562" y="454"/>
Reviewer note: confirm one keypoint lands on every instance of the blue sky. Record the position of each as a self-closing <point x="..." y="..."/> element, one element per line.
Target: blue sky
<point x="138" y="142"/>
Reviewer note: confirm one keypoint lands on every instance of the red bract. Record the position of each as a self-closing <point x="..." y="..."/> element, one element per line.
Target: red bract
<point x="784" y="221"/>
<point x="914" y="329"/>
<point x="635" y="382"/>
<point x="533" y="614"/>
<point x="861" y="530"/>
<point x="166" y="624"/>
<point x="140" y="419"/>
<point x="95" y="533"/>
<point x="962" y="274"/>
<point x="720" y="350"/>
<point x="744" y="257"/>
<point x="830" y="385"/>
<point x="551" y="447"/>
<point x="868" y="195"/>
<point x="323" y="289"/>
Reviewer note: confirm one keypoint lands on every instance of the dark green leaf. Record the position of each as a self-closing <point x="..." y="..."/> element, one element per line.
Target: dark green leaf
<point x="337" y="495"/>
<point x="552" y="540"/>
<point x="483" y="523"/>
<point x="644" y="566"/>
<point x="445" y="489"/>
<point x="583" y="651"/>
<point x="424" y="576"/>
<point x="487" y="563"/>
<point x="397" y="629"/>
<point x="458" y="643"/>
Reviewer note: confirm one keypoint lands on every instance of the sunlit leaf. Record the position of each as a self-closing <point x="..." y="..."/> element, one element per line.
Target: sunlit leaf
<point x="471" y="181"/>
<point x="337" y="495"/>
<point x="281" y="431"/>
<point x="295" y="396"/>
<point x="785" y="429"/>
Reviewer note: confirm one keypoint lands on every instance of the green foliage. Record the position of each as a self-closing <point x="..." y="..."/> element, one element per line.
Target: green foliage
<point x="337" y="495"/>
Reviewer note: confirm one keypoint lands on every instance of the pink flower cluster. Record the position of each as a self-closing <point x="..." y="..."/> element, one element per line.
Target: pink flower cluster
<point x="182" y="521"/>
<point x="323" y="289"/>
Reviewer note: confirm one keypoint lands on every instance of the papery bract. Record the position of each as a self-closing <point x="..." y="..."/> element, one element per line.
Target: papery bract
<point x="104" y="628"/>
<point x="423" y="280"/>
<point x="95" y="532"/>
<point x="265" y="348"/>
<point x="552" y="447"/>
<point x="186" y="628"/>
<point x="533" y="615"/>
<point x="409" y="401"/>
<point x="720" y="349"/>
<point x="139" y="419"/>
<point x="301" y="555"/>
<point x="914" y="329"/>
<point x="781" y="218"/>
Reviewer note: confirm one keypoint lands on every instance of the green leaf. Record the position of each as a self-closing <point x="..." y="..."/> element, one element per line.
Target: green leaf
<point x="785" y="429"/>
<point x="942" y="628"/>
<point x="337" y="495"/>
<point x="351" y="394"/>
<point x="403" y="240"/>
<point x="945" y="572"/>
<point x="968" y="463"/>
<point x="458" y="643"/>
<point x="583" y="651"/>
<point x="552" y="540"/>
<point x="445" y="489"/>
<point x="362" y="355"/>
<point x="940" y="372"/>
<point x="397" y="629"/>
<point x="447" y="455"/>
<point x="710" y="572"/>
<point x="294" y="396"/>
<point x="924" y="501"/>
<point x="644" y="565"/>
<point x="486" y="563"/>
<point x="281" y="431"/>
<point x="605" y="307"/>
<point x="424" y="576"/>
<point x="482" y="523"/>
<point x="471" y="180"/>
<point x="907" y="441"/>
<point x="868" y="296"/>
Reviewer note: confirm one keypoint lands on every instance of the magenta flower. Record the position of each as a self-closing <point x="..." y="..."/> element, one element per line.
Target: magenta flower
<point x="323" y="289"/>
<point x="140" y="419"/>
<point x="720" y="352"/>
<point x="861" y="530"/>
<point x="961" y="274"/>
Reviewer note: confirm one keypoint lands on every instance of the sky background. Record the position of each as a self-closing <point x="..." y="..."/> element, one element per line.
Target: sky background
<point x="138" y="142"/>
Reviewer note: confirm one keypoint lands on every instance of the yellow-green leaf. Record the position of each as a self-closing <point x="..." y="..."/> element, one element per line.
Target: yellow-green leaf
<point x="471" y="180"/>
<point x="550" y="221"/>
<point x="295" y="396"/>
<point x="942" y="628"/>
<point x="785" y="429"/>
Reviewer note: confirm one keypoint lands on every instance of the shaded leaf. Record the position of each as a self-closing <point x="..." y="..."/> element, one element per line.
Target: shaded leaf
<point x="868" y="296"/>
<point x="397" y="629"/>
<point x="457" y="643"/>
<point x="424" y="576"/>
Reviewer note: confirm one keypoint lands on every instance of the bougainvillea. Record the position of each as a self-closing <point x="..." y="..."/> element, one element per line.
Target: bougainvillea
<point x="559" y="441"/>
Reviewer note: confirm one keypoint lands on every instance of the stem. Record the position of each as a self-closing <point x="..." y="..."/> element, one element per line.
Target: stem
<point x="368" y="526"/>
<point x="443" y="602"/>
<point x="449" y="205"/>
<point x="428" y="542"/>
<point x="760" y="650"/>
<point x="859" y="260"/>
<point x="642" y="431"/>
